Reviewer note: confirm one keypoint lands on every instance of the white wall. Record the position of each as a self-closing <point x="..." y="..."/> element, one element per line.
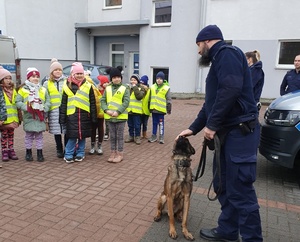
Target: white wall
<point x="173" y="47"/>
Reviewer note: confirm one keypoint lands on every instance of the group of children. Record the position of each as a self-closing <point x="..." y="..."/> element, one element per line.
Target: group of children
<point x="74" y="108"/>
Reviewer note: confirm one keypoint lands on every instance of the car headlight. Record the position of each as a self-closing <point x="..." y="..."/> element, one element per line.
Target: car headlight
<point x="282" y="117"/>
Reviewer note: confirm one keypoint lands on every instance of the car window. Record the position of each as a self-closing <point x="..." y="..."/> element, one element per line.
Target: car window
<point x="67" y="70"/>
<point x="102" y="70"/>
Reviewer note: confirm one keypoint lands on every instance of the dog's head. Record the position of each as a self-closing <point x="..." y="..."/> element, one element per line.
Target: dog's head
<point x="182" y="146"/>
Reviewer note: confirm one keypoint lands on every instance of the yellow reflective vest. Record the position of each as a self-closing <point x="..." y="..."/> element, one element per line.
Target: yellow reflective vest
<point x="158" y="100"/>
<point x="25" y="93"/>
<point x="114" y="102"/>
<point x="80" y="99"/>
<point x="135" y="106"/>
<point x="11" y="108"/>
<point x="55" y="95"/>
<point x="145" y="103"/>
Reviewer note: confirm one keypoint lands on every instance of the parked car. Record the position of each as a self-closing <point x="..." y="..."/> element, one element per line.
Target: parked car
<point x="95" y="70"/>
<point x="280" y="133"/>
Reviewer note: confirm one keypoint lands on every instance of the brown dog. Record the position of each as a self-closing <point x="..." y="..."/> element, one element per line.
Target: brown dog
<point x="175" y="198"/>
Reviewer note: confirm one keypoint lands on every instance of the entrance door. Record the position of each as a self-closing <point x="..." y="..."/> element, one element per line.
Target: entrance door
<point x="134" y="63"/>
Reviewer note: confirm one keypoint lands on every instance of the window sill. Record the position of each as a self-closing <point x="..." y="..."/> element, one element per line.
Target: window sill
<point x="161" y="25"/>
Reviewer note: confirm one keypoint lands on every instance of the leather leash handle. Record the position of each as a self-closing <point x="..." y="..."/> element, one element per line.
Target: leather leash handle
<point x="202" y="162"/>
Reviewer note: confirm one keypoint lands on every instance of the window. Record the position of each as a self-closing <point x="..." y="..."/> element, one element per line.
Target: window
<point x="117" y="55"/>
<point x="287" y="52"/>
<point x="162" y="12"/>
<point x="113" y="3"/>
<point x="156" y="70"/>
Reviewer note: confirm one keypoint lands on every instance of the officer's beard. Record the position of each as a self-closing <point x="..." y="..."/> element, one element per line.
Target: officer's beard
<point x="204" y="60"/>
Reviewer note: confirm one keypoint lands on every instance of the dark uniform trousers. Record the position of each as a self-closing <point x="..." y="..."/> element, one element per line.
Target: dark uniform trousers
<point x="239" y="205"/>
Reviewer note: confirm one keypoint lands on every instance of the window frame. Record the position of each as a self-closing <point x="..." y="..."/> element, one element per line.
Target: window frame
<point x="297" y="52"/>
<point x="112" y="52"/>
<point x="165" y="24"/>
<point x="113" y="6"/>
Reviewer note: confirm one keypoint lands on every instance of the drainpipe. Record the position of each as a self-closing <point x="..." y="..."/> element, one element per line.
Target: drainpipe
<point x="76" y="49"/>
<point x="202" y="21"/>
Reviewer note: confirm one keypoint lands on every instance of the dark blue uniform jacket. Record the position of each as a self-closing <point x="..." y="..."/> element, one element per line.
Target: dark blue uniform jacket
<point x="290" y="82"/>
<point x="229" y="98"/>
<point x="258" y="78"/>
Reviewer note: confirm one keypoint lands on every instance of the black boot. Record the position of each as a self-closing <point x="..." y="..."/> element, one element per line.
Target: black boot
<point x="40" y="156"/>
<point x="60" y="153"/>
<point x="28" y="156"/>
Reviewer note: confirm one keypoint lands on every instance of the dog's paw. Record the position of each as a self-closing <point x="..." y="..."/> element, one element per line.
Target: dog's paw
<point x="157" y="218"/>
<point x="173" y="234"/>
<point x="188" y="236"/>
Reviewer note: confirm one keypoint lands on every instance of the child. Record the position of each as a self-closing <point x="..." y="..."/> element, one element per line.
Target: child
<point x="103" y="83"/>
<point x="135" y="110"/>
<point x="99" y="125"/>
<point x="146" y="111"/>
<point x="34" y="101"/>
<point x="54" y="88"/>
<point x="114" y="103"/>
<point x="7" y="122"/>
<point x="160" y="104"/>
<point x="77" y="111"/>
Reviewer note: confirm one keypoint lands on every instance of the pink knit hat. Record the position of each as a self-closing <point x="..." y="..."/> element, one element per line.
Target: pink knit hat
<point x="77" y="68"/>
<point x="55" y="65"/>
<point x="4" y="73"/>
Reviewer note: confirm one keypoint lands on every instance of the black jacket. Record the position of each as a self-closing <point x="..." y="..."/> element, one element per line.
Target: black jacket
<point x="79" y="124"/>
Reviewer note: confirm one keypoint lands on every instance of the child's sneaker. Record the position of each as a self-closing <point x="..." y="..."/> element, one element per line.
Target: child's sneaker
<point x="79" y="158"/>
<point x="153" y="138"/>
<point x="68" y="160"/>
<point x="106" y="137"/>
<point x="161" y="139"/>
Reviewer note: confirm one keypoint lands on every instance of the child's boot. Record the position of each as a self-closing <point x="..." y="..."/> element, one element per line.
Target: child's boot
<point x="92" y="150"/>
<point x="129" y="139"/>
<point x="28" y="156"/>
<point x="112" y="156"/>
<point x="118" y="158"/>
<point x="12" y="154"/>
<point x="5" y="155"/>
<point x="145" y="135"/>
<point x="137" y="140"/>
<point x="40" y="156"/>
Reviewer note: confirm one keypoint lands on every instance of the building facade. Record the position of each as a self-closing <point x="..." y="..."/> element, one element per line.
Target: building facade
<point x="146" y="36"/>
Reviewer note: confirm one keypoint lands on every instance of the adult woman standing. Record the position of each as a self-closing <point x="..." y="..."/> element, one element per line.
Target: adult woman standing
<point x="257" y="74"/>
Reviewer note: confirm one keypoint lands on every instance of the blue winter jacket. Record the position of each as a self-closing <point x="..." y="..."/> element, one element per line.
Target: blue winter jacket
<point x="258" y="78"/>
<point x="290" y="82"/>
<point x="229" y="98"/>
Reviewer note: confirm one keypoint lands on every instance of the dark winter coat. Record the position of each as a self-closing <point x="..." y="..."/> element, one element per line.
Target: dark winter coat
<point x="79" y="124"/>
<point x="258" y="78"/>
<point x="290" y="82"/>
<point x="229" y="98"/>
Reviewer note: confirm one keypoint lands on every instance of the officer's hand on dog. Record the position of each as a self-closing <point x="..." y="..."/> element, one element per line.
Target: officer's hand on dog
<point x="185" y="133"/>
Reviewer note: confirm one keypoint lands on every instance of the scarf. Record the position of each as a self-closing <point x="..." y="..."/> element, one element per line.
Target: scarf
<point x="9" y="92"/>
<point x="34" y="104"/>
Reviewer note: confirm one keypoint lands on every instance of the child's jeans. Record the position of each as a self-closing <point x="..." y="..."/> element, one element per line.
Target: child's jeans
<point x="70" y="148"/>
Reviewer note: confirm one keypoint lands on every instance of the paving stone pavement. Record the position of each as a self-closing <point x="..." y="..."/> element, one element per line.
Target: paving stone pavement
<point x="94" y="200"/>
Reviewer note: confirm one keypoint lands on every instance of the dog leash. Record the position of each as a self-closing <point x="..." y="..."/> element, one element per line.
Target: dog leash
<point x="202" y="163"/>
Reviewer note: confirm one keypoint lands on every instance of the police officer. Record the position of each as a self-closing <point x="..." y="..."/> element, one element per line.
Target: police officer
<point x="291" y="80"/>
<point x="230" y="112"/>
